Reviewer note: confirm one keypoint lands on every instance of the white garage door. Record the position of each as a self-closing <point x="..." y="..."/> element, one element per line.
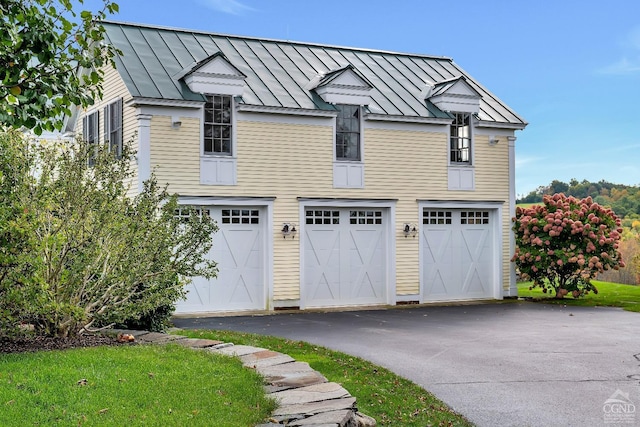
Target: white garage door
<point x="457" y="254"/>
<point x="345" y="257"/>
<point x="238" y="248"/>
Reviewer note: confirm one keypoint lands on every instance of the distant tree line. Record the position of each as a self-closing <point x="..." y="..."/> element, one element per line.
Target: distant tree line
<point x="623" y="199"/>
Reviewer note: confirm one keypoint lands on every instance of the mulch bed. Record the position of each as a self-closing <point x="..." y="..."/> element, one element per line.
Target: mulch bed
<point x="32" y="344"/>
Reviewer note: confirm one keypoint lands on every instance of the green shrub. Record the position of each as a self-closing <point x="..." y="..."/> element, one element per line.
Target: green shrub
<point x="82" y="254"/>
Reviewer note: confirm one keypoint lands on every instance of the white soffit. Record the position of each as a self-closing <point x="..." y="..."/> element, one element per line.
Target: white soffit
<point x="455" y="95"/>
<point x="214" y="75"/>
<point x="344" y="86"/>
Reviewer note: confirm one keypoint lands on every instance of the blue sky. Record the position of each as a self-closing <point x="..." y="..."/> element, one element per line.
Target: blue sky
<point x="571" y="68"/>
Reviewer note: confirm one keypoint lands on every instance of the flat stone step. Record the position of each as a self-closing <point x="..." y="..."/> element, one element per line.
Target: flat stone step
<point x="295" y="379"/>
<point x="312" y="393"/>
<point x="239" y="350"/>
<point x="285" y="368"/>
<point x="333" y="418"/>
<point x="309" y="409"/>
<point x="160" y="338"/>
<point x="265" y="358"/>
<point x="198" y="343"/>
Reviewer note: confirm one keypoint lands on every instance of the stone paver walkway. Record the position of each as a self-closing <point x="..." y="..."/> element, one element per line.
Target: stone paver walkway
<point x="305" y="397"/>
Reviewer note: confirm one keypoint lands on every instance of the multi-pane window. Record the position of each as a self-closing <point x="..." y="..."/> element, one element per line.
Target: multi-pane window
<point x="365" y="217"/>
<point x="348" y="132"/>
<point x="184" y="213"/>
<point x="436" y="217"/>
<point x="113" y="127"/>
<point x="217" y="125"/>
<point x="460" y="138"/>
<point x="322" y="217"/>
<point x="240" y="216"/>
<point x="90" y="132"/>
<point x="474" y="217"/>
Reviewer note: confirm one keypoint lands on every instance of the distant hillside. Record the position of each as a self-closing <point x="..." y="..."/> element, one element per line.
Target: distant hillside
<point x="623" y="199"/>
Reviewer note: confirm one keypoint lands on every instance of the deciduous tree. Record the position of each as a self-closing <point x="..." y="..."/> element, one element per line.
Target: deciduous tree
<point x="50" y="59"/>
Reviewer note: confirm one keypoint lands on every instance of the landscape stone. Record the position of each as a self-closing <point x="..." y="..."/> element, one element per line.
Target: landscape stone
<point x="312" y="393"/>
<point x="296" y="379"/>
<point x="337" y="418"/>
<point x="265" y="358"/>
<point x="285" y="368"/>
<point x="239" y="350"/>
<point x="159" y="338"/>
<point x="363" y="420"/>
<point x="198" y="343"/>
<point x="308" y="409"/>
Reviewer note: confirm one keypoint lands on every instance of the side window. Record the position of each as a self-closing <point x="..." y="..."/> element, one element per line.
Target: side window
<point x="113" y="127"/>
<point x="90" y="131"/>
<point x="217" y="125"/>
<point x="460" y="138"/>
<point x="348" y="133"/>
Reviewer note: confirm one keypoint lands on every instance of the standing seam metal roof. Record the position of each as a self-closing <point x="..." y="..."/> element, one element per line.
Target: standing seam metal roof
<point x="278" y="71"/>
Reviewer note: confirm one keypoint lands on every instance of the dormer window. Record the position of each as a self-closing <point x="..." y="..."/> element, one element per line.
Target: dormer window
<point x="217" y="125"/>
<point x="348" y="133"/>
<point x="460" y="138"/>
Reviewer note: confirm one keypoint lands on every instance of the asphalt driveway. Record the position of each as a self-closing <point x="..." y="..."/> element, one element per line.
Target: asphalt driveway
<point x="502" y="364"/>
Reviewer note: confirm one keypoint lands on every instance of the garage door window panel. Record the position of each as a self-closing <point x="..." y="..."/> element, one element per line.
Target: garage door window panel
<point x="436" y="217"/>
<point x="365" y="217"/>
<point x="474" y="217"/>
<point x="322" y="217"/>
<point x="240" y="216"/>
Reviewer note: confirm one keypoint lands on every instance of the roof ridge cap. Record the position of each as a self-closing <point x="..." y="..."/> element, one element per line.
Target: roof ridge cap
<point x="273" y="40"/>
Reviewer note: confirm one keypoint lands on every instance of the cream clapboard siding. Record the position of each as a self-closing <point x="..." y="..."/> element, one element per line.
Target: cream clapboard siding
<point x="287" y="161"/>
<point x="492" y="183"/>
<point x="115" y="88"/>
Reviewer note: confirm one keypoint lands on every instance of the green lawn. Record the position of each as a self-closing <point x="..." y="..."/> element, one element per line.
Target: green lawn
<point x="527" y="205"/>
<point x="129" y="385"/>
<point x="609" y="295"/>
<point x="390" y="399"/>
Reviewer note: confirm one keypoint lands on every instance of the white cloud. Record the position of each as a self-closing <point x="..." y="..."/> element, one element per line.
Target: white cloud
<point x="525" y="160"/>
<point x="630" y="63"/>
<point x="623" y="66"/>
<point x="232" y="7"/>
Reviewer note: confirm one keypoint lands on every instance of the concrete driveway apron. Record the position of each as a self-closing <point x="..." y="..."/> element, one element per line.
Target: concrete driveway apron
<point x="502" y="364"/>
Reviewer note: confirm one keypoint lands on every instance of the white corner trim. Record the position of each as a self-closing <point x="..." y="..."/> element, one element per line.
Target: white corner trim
<point x="144" y="149"/>
<point x="513" y="287"/>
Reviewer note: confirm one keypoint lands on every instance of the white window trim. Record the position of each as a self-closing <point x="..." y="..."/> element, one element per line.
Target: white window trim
<point x="209" y="160"/>
<point x="472" y="142"/>
<point x="353" y="167"/>
<point x="233" y="154"/>
<point x="361" y="139"/>
<point x="461" y="175"/>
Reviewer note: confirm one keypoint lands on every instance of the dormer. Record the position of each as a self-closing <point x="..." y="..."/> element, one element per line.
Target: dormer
<point x="455" y="95"/>
<point x="214" y="75"/>
<point x="344" y="85"/>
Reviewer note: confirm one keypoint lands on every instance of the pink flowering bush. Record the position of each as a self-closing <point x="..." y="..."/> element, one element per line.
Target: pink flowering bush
<point x="563" y="244"/>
